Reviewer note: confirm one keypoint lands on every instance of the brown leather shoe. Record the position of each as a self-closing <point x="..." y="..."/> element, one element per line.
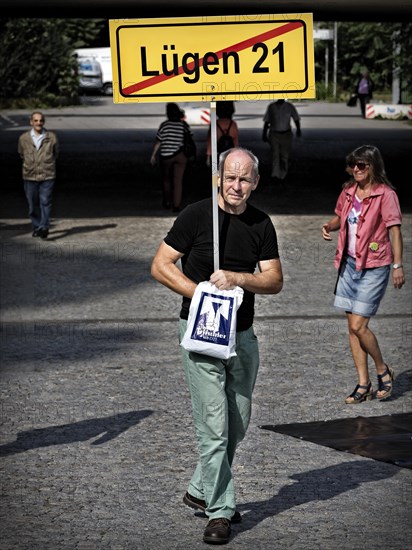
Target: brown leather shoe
<point x="194" y="502"/>
<point x="217" y="531"/>
<point x="199" y="504"/>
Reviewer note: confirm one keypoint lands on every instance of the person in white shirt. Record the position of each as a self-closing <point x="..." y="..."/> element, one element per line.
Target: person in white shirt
<point x="277" y="131"/>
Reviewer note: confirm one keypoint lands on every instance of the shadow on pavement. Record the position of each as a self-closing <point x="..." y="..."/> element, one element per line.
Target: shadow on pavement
<point x="107" y="428"/>
<point x="55" y="235"/>
<point x="312" y="486"/>
<point x="386" y="438"/>
<point x="108" y="174"/>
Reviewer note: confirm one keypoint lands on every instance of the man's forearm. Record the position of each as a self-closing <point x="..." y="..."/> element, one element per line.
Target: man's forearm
<point x="171" y="277"/>
<point x="267" y="282"/>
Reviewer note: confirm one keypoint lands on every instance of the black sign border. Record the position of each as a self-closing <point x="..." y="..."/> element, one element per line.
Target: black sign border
<point x="218" y="94"/>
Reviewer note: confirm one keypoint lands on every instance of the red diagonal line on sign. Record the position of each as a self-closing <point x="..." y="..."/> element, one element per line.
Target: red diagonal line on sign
<point x="273" y="33"/>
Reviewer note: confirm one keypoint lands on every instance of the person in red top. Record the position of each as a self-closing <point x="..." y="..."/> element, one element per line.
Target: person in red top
<point x="368" y="218"/>
<point x="224" y="125"/>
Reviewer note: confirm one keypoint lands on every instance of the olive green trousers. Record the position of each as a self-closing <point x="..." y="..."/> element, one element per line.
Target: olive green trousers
<point x="221" y="394"/>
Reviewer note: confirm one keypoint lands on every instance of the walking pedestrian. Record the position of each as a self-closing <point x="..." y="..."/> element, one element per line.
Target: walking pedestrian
<point x="368" y="218"/>
<point x="221" y="390"/>
<point x="364" y="89"/>
<point x="169" y="144"/>
<point x="39" y="149"/>
<point x="227" y="130"/>
<point x="277" y="131"/>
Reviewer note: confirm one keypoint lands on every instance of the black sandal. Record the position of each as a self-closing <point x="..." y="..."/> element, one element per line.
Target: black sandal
<point x="357" y="397"/>
<point x="386" y="386"/>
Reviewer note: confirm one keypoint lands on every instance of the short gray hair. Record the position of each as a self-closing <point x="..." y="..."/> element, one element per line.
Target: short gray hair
<point x="223" y="156"/>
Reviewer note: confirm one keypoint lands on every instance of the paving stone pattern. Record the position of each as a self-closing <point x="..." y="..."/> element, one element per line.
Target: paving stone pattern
<point x="97" y="438"/>
<point x="97" y="441"/>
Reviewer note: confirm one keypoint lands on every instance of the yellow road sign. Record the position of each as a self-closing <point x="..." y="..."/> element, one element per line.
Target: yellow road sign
<point x="213" y="58"/>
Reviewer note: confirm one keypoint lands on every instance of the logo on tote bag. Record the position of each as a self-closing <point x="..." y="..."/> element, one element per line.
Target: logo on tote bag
<point x="213" y="319"/>
<point x="211" y="325"/>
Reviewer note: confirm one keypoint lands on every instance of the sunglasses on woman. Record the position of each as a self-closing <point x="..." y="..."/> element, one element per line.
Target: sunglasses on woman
<point x="360" y="165"/>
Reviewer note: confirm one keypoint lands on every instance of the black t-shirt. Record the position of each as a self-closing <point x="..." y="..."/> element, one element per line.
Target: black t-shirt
<point x="244" y="240"/>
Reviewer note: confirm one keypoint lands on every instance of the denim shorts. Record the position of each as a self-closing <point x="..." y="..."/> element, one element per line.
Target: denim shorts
<point x="360" y="292"/>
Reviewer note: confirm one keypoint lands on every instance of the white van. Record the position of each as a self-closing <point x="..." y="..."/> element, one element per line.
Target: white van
<point x="90" y="75"/>
<point x="104" y="58"/>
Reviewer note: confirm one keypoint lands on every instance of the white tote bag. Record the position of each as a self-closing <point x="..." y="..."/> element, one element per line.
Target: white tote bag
<point x="211" y="326"/>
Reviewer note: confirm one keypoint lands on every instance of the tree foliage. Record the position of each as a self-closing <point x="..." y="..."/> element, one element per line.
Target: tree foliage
<point x="36" y="55"/>
<point x="37" y="62"/>
<point x="379" y="48"/>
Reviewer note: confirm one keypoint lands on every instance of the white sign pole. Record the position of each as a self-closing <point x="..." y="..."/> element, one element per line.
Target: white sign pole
<point x="214" y="185"/>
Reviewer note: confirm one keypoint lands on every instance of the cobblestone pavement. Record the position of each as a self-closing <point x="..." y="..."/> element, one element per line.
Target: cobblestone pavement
<point x="97" y="441"/>
<point x="96" y="428"/>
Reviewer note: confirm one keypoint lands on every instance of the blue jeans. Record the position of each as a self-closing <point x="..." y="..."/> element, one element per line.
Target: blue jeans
<point x="221" y="392"/>
<point x="39" y="197"/>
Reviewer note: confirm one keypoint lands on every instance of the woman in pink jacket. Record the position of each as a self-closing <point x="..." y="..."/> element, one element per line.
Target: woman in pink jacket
<point x="368" y="218"/>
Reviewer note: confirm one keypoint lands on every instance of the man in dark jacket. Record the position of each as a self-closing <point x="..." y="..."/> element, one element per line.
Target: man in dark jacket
<point x="39" y="149"/>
